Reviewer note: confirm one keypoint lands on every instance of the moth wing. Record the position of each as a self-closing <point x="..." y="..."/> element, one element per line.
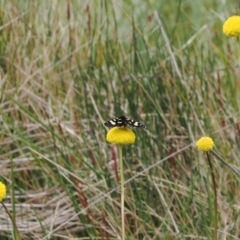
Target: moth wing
<point x="135" y="124"/>
<point x="110" y="123"/>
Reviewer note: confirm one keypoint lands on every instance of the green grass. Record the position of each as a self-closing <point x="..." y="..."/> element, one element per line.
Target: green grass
<point x="66" y="67"/>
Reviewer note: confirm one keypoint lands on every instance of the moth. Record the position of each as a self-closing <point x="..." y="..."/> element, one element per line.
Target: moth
<point x="123" y="122"/>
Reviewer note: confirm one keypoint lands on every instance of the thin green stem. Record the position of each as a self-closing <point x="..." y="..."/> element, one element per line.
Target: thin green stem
<point x="238" y="52"/>
<point x="122" y="190"/>
<point x="13" y="222"/>
<point x="215" y="198"/>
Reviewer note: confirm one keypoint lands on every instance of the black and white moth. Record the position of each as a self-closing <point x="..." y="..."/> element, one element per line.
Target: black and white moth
<point x="123" y="122"/>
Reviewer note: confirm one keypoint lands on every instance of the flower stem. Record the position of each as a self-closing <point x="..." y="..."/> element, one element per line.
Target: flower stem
<point x="13" y="222"/>
<point x="215" y="197"/>
<point x="238" y="53"/>
<point x="122" y="190"/>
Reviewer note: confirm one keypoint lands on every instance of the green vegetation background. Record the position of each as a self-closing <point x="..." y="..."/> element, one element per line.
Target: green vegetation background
<point x="68" y="66"/>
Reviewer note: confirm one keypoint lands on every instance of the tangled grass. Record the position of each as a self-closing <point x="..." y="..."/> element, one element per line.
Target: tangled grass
<point x="66" y="67"/>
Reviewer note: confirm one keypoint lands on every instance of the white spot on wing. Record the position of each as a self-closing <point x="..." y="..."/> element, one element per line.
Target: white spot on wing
<point x="112" y="122"/>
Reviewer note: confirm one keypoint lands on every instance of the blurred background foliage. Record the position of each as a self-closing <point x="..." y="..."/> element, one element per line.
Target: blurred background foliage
<point x="66" y="67"/>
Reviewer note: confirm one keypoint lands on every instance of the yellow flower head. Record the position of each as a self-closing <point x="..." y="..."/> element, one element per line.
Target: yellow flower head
<point x="231" y="27"/>
<point x="121" y="135"/>
<point x="205" y="144"/>
<point x="2" y="191"/>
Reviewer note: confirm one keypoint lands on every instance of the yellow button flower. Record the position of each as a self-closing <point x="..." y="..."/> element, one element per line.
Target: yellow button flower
<point x="205" y="144"/>
<point x="2" y="191"/>
<point x="121" y="135"/>
<point x="231" y="27"/>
